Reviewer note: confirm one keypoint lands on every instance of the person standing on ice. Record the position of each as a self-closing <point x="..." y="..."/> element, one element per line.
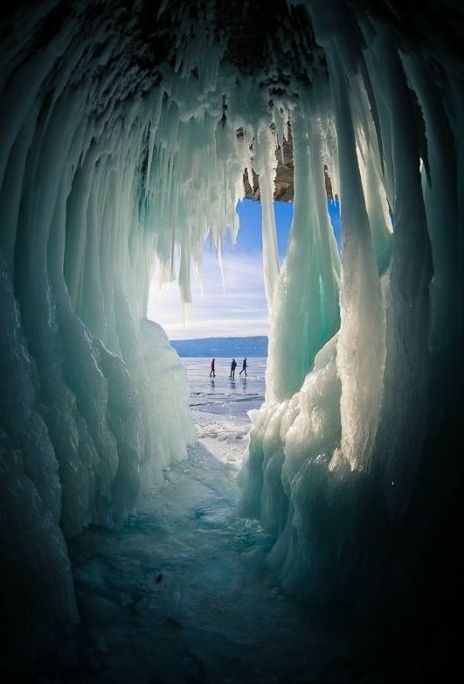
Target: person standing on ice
<point x="233" y="366"/>
<point x="244" y="367"/>
<point x="212" y="373"/>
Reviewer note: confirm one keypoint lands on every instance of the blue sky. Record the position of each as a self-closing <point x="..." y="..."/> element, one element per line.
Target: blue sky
<point x="236" y="308"/>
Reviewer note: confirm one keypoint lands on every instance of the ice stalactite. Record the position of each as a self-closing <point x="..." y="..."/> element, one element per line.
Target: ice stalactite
<point x="361" y="340"/>
<point x="265" y="164"/>
<point x="305" y="316"/>
<point x="402" y="428"/>
<point x="305" y="311"/>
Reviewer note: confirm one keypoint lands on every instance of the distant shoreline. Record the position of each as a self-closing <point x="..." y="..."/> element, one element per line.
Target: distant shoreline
<point x="222" y="347"/>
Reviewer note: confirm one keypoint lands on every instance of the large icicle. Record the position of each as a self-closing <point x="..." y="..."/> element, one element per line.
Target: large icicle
<point x="265" y="165"/>
<point x="305" y="313"/>
<point x="361" y="342"/>
<point x="408" y="315"/>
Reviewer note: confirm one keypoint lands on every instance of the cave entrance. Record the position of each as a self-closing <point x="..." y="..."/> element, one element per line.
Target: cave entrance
<point x="227" y="319"/>
<point x="227" y="291"/>
<point x="190" y="572"/>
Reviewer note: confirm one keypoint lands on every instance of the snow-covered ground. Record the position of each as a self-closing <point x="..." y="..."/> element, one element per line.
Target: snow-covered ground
<point x="182" y="592"/>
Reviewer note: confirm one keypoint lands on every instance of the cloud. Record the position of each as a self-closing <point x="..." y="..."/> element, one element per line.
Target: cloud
<point x="237" y="309"/>
<point x="231" y="304"/>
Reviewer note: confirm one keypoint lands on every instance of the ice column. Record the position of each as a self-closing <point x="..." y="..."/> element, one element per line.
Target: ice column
<point x="305" y="308"/>
<point x="361" y="342"/>
<point x="440" y="191"/>
<point x="405" y="396"/>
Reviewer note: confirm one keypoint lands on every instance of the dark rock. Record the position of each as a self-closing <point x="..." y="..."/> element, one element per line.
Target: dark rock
<point x="284" y="184"/>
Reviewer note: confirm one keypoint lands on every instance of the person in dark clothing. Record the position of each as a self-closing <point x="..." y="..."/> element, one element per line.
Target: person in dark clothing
<point x="233" y="366"/>
<point x="244" y="367"/>
<point x="212" y="373"/>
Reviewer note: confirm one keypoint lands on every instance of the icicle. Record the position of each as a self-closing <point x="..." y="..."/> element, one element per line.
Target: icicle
<point x="265" y="164"/>
<point x="184" y="273"/>
<point x="361" y="343"/>
<point x="153" y="126"/>
<point x="299" y="326"/>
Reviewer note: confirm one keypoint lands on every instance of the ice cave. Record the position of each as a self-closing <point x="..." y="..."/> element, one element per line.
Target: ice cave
<point x="128" y="133"/>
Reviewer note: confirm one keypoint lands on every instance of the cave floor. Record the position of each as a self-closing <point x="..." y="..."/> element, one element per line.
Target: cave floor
<point x="182" y="592"/>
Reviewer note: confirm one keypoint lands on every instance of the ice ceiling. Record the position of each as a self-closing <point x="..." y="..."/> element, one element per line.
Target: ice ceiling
<point x="125" y="131"/>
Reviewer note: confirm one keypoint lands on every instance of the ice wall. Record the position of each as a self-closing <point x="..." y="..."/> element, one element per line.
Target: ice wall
<point x="94" y="400"/>
<point x="125" y="132"/>
<point x="343" y="465"/>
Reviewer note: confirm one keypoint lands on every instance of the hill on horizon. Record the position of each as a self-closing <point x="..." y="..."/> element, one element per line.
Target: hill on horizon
<point x="222" y="346"/>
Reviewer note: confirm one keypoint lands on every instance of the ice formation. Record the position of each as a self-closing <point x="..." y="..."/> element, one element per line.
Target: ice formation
<point x="338" y="459"/>
<point x="125" y="131"/>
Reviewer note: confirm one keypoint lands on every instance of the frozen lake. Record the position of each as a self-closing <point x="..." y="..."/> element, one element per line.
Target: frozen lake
<point x="220" y="394"/>
<point x="220" y="406"/>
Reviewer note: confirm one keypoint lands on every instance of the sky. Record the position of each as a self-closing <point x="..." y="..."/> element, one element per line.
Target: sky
<point x="237" y="307"/>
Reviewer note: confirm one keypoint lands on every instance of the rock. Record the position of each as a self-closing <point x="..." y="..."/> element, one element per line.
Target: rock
<point x="284" y="184"/>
